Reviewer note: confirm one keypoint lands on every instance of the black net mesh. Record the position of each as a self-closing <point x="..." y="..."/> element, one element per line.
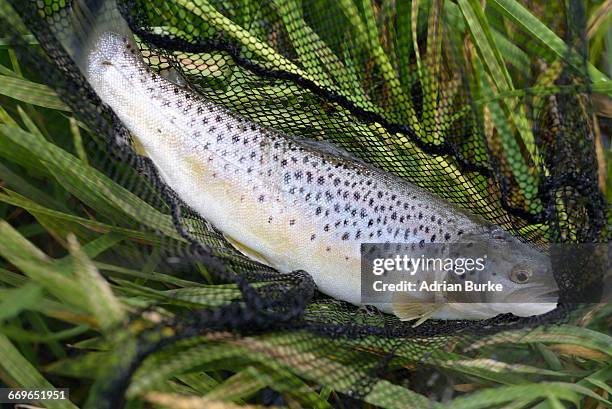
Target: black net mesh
<point x="421" y="109"/>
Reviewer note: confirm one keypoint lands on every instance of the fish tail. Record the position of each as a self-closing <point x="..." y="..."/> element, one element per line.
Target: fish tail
<point x="88" y="20"/>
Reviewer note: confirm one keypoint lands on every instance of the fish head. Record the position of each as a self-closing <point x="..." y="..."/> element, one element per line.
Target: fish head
<point x="525" y="273"/>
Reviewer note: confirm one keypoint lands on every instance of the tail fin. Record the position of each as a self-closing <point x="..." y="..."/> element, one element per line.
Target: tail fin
<point x="86" y="21"/>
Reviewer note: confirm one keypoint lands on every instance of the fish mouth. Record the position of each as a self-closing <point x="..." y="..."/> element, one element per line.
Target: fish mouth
<point x="539" y="295"/>
<point x="549" y="297"/>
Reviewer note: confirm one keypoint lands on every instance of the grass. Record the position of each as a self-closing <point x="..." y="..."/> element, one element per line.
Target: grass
<point x="79" y="250"/>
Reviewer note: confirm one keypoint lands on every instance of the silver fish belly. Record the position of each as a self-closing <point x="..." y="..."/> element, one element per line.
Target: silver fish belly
<point x="281" y="201"/>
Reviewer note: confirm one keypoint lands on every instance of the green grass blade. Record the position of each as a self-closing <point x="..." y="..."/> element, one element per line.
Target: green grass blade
<point x="523" y="18"/>
<point x="31" y="93"/>
<point x="19" y="299"/>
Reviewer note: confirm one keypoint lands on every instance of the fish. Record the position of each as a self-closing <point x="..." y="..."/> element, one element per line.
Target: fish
<point x="295" y="205"/>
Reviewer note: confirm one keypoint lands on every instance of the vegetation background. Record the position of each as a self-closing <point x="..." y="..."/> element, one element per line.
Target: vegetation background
<point x="69" y="276"/>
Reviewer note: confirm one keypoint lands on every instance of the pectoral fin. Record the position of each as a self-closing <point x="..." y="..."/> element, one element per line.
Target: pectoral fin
<point x="137" y="146"/>
<point x="247" y="251"/>
<point x="408" y="308"/>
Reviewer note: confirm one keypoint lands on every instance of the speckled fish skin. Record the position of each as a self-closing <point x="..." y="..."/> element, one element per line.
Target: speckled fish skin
<point x="294" y="206"/>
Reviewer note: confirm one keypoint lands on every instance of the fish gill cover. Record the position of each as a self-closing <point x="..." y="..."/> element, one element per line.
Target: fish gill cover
<point x="490" y="112"/>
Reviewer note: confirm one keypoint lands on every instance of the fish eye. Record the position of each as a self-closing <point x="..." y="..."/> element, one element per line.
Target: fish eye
<point x="520" y="276"/>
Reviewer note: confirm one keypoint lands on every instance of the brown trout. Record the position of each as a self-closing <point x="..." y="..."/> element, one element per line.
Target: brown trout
<point x="292" y="206"/>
